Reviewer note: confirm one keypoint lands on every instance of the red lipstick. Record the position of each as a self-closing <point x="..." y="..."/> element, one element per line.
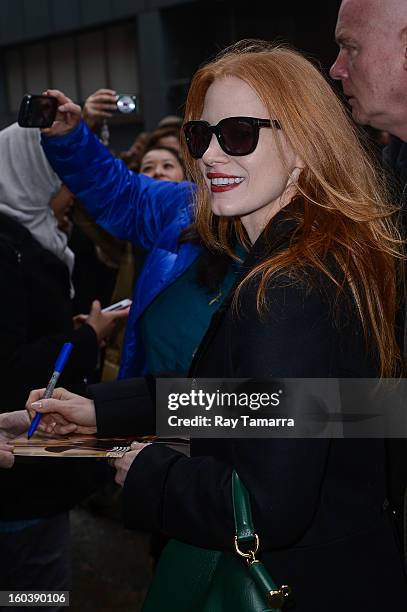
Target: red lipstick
<point x="219" y="186"/>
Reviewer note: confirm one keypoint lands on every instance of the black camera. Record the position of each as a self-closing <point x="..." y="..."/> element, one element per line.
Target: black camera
<point x="126" y="103"/>
<point x="37" y="111"/>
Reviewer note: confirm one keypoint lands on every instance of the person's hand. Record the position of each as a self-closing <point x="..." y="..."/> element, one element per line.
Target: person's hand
<point x="123" y="464"/>
<point x="104" y="322"/>
<point x="78" y="320"/>
<point x="12" y="424"/>
<point x="6" y="455"/>
<point x="68" y="114"/>
<point x="62" y="203"/>
<point x="100" y="105"/>
<point x="64" y="413"/>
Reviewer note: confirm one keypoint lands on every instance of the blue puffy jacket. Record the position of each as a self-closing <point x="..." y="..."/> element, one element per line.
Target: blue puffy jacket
<point x="151" y="214"/>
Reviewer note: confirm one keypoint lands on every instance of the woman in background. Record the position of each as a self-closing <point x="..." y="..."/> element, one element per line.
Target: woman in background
<point x="163" y="164"/>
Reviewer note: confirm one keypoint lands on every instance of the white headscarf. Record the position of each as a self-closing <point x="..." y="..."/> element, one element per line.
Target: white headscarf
<point x="27" y="183"/>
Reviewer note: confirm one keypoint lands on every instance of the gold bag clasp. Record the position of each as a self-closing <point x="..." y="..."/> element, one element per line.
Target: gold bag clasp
<point x="276" y="598"/>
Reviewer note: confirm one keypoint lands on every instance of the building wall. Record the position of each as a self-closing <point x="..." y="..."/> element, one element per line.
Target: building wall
<point x="23" y="20"/>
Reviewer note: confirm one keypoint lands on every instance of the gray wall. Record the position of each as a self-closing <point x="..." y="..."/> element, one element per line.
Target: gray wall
<point x="26" y="21"/>
<point x="23" y="20"/>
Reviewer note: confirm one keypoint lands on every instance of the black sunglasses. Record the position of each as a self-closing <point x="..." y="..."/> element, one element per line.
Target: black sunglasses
<point x="236" y="135"/>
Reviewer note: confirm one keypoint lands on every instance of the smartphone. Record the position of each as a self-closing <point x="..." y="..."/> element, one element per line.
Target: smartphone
<point x="37" y="111"/>
<point x="117" y="306"/>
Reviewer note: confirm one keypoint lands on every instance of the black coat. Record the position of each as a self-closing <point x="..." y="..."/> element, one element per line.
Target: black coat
<point x="319" y="506"/>
<point x="35" y="320"/>
<point x="395" y="161"/>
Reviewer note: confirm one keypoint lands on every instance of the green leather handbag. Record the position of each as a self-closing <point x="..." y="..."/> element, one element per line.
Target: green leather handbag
<point x="193" y="579"/>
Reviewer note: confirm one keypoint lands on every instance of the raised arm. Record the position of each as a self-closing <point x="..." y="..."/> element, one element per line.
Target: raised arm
<point x="128" y="205"/>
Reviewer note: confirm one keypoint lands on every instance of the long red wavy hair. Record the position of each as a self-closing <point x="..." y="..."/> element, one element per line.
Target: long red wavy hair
<point x="345" y="211"/>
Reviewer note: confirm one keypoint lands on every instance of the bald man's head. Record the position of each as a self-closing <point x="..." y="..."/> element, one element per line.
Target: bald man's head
<point x="372" y="62"/>
<point x="393" y="8"/>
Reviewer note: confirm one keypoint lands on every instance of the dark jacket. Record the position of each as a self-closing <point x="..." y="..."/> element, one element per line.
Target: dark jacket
<point x="395" y="161"/>
<point x="124" y="407"/>
<point x="319" y="505"/>
<point x="35" y="320"/>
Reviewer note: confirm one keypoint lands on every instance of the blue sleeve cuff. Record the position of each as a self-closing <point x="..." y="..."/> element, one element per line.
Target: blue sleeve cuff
<point x="72" y="137"/>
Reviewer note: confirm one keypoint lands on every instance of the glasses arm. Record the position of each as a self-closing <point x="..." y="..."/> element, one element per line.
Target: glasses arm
<point x="269" y="123"/>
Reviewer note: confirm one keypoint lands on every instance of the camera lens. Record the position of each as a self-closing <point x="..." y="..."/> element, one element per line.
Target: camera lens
<point x="126" y="104"/>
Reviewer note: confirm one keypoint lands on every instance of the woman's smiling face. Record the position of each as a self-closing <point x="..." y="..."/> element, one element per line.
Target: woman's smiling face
<point x="261" y="185"/>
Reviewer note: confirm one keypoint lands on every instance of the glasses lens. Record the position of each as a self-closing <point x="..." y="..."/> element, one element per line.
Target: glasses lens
<point x="239" y="135"/>
<point x="198" y="137"/>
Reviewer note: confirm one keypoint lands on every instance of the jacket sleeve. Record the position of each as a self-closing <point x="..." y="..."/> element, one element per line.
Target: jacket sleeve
<point x="124" y="407"/>
<point x="130" y="206"/>
<point x="190" y="498"/>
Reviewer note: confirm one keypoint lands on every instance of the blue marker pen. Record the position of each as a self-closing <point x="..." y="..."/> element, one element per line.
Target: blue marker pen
<point x="59" y="366"/>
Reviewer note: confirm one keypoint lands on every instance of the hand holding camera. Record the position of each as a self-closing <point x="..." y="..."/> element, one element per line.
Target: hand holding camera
<point x="68" y="114"/>
<point x="100" y="105"/>
<point x="56" y="114"/>
<point x="104" y="103"/>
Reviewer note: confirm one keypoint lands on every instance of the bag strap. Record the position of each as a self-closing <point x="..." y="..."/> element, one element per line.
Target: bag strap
<point x="242" y="511"/>
<point x="244" y="534"/>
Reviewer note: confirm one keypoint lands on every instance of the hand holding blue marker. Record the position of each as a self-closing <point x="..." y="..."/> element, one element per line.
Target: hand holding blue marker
<point x="59" y="366"/>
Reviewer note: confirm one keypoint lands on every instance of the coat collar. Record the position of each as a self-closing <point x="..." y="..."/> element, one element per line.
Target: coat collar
<point x="274" y="238"/>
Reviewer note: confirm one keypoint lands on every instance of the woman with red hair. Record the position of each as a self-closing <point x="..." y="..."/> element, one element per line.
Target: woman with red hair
<point x="281" y="173"/>
<point x="280" y="170"/>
